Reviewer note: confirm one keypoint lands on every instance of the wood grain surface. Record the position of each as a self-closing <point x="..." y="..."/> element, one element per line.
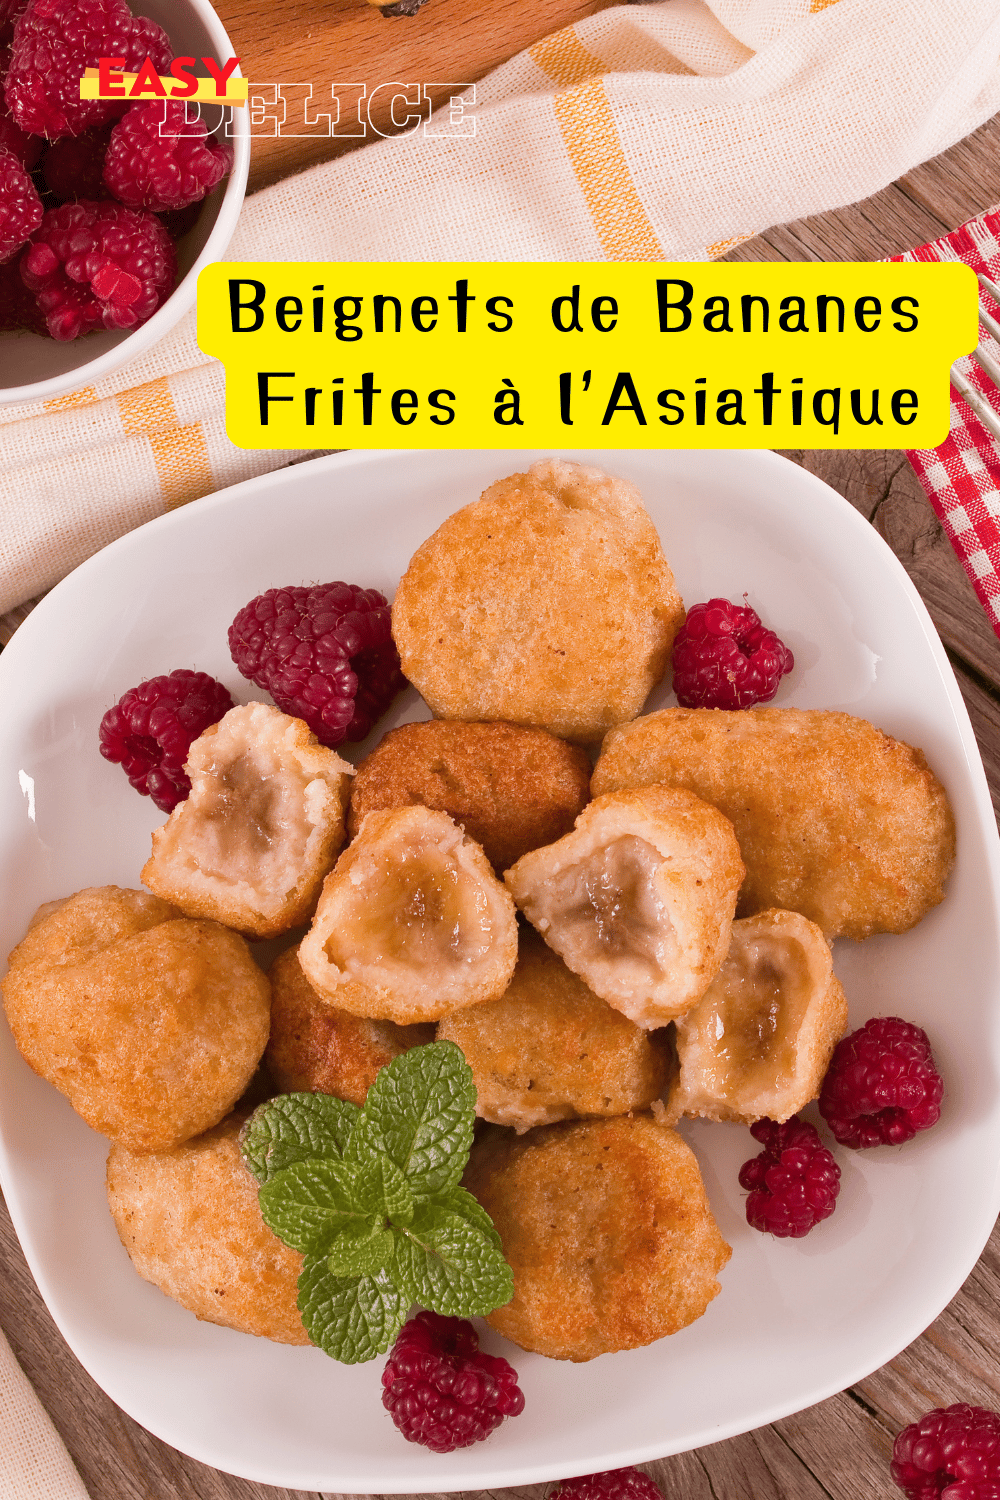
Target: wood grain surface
<point x="348" y="42"/>
<point x="840" y="1448"/>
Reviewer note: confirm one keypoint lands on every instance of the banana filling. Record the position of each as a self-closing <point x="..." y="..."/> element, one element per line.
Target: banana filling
<point x="410" y="905"/>
<point x="247" y="812"/>
<point x="762" y="990"/>
<point x="759" y="1041"/>
<point x="412" y="922"/>
<point x="609" y="912"/>
<point x="260" y="828"/>
<point x="638" y="900"/>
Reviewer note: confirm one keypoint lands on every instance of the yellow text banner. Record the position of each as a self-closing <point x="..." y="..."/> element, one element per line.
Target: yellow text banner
<point x="145" y="86"/>
<point x="616" y="355"/>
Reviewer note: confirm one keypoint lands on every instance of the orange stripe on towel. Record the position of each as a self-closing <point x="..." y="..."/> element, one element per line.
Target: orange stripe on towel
<point x="564" y="57"/>
<point x="595" y="152"/>
<point x="75" y="398"/>
<point x="818" y="5"/>
<point x="179" y="453"/>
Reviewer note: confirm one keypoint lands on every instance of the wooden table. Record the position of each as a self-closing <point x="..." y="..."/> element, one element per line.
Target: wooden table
<point x="840" y="1448"/>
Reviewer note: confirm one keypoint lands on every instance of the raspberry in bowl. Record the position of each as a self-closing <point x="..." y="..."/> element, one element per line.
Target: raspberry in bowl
<point x="47" y="366"/>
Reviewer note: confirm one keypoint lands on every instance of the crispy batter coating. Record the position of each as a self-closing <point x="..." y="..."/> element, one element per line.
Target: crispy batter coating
<point x="190" y="1220"/>
<point x="151" y="1024"/>
<point x="759" y="1042"/>
<point x="834" y="819"/>
<point x="638" y="900"/>
<point x="314" y="1047"/>
<point x="512" y="789"/>
<point x="412" y="922"/>
<point x="261" y="827"/>
<point x="546" y="602"/>
<point x="607" y="1229"/>
<point x="548" y="1049"/>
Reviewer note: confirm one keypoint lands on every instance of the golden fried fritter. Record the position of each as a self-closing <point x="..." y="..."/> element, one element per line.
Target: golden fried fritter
<point x="151" y="1024"/>
<point x="190" y="1220"/>
<point x="638" y="900"/>
<point x="548" y="1049"/>
<point x="412" y="922"/>
<point x="607" y="1229"/>
<point x="261" y="827"/>
<point x="758" y="1043"/>
<point x="512" y="789"/>
<point x="834" y="819"/>
<point x="546" y="602"/>
<point x="314" y="1047"/>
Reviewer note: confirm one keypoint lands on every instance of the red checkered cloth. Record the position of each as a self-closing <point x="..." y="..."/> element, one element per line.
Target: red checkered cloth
<point x="962" y="477"/>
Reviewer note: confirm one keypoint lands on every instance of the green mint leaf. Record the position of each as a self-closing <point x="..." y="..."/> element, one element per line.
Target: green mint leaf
<point x="350" y="1318"/>
<point x="449" y="1265"/>
<point x="383" y="1191"/>
<point x="307" y="1204"/>
<point x="361" y="1249"/>
<point x="296" y="1127"/>
<point x="420" y="1111"/>
<point x="458" y="1200"/>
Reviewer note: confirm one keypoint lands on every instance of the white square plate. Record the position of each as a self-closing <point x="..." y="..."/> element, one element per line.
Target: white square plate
<point x="796" y="1320"/>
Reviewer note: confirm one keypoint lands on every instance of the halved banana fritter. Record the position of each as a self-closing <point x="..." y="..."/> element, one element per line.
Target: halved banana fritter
<point x="759" y="1041"/>
<point x="412" y="922"/>
<point x="638" y="900"/>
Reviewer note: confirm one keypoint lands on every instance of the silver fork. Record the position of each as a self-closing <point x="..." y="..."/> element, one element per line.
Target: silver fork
<point x="986" y="361"/>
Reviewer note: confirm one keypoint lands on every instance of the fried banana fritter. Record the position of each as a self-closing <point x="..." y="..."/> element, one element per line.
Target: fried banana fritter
<point x="316" y="1048"/>
<point x="190" y="1221"/>
<point x="758" y="1043"/>
<point x="512" y="789"/>
<point x="412" y="922"/>
<point x="834" y="819"/>
<point x="607" y="1229"/>
<point x="151" y="1024"/>
<point x="261" y="827"/>
<point x="547" y="602"/>
<point x="548" y="1049"/>
<point x="638" y="900"/>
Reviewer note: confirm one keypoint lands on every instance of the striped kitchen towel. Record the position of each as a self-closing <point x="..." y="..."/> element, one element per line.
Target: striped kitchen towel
<point x="962" y="477"/>
<point x="646" y="132"/>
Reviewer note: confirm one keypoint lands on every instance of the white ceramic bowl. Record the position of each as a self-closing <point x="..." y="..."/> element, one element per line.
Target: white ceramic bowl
<point x="45" y="367"/>
<point x="796" y="1320"/>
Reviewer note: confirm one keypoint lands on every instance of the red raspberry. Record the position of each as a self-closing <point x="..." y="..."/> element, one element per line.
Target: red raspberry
<point x="94" y="264"/>
<point x="27" y="148"/>
<point x="611" y="1484"/>
<point x="20" y="206"/>
<point x="55" y="41"/>
<point x="724" y="658"/>
<point x="153" y="726"/>
<point x="438" y="1388"/>
<point x="793" y="1183"/>
<point x="953" y="1451"/>
<point x="325" y="654"/>
<point x="72" y="167"/>
<point x="147" y="169"/>
<point x="881" y="1086"/>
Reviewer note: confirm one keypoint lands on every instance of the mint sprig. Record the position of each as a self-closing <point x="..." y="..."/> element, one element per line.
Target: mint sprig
<point x="372" y="1199"/>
